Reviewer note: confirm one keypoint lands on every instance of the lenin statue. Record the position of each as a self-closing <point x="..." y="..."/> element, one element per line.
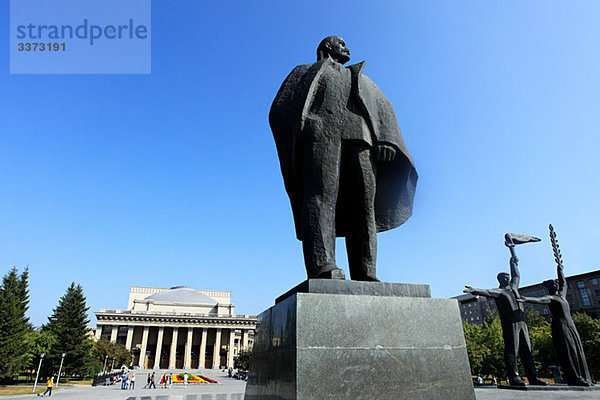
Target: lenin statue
<point x="345" y="166"/>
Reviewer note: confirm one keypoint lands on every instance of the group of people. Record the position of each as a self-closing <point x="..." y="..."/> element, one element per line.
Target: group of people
<point x="166" y="381"/>
<point x="242" y="375"/>
<point x="127" y="379"/>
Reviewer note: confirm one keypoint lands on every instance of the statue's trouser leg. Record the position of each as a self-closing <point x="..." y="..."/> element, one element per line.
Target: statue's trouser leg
<point x="525" y="353"/>
<point x="511" y="346"/>
<point x="357" y="188"/>
<point x="321" y="166"/>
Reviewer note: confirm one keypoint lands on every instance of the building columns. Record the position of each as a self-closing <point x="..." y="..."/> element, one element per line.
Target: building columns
<point x="217" y="350"/>
<point x="202" y="357"/>
<point x="187" y="361"/>
<point x="129" y="338"/>
<point x="173" y="355"/>
<point x="159" y="341"/>
<point x="230" y="348"/>
<point x="98" y="332"/>
<point x="113" y="333"/>
<point x="142" y="361"/>
<point x="244" y="339"/>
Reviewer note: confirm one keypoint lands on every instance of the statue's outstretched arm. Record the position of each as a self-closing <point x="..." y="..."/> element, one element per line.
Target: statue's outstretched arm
<point x="535" y="300"/>
<point x="481" y="292"/>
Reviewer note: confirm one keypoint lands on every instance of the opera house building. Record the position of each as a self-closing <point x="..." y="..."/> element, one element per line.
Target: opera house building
<point x="178" y="328"/>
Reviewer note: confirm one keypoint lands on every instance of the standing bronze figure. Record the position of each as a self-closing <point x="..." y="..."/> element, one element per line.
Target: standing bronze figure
<point x="345" y="166"/>
<point x="512" y="316"/>
<point x="564" y="333"/>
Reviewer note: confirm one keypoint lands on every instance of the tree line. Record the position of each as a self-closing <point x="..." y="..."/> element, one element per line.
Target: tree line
<point x="485" y="344"/>
<point x="66" y="332"/>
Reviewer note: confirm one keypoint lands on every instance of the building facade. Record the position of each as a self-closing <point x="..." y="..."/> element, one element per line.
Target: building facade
<point x="178" y="328"/>
<point x="583" y="295"/>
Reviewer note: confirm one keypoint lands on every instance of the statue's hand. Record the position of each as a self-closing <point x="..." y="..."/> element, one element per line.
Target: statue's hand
<point x="385" y="152"/>
<point x="468" y="289"/>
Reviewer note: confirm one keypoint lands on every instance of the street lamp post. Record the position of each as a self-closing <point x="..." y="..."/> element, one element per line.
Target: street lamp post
<point x="60" y="368"/>
<point x="112" y="366"/>
<point x="104" y="368"/>
<point x="38" y="373"/>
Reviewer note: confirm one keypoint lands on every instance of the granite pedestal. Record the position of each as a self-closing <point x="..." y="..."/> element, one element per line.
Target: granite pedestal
<point x="315" y="344"/>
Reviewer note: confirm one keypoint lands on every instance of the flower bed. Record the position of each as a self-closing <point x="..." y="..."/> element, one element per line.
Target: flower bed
<point x="192" y="379"/>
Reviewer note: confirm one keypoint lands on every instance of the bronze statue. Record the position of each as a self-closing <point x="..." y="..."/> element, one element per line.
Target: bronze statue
<point x="564" y="333"/>
<point x="512" y="316"/>
<point x="345" y="166"/>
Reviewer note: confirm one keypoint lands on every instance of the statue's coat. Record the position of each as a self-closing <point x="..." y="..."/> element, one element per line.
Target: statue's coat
<point x="396" y="180"/>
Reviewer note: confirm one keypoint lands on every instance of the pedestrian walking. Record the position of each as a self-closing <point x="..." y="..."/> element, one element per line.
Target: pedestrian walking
<point x="132" y="381"/>
<point x="124" y="381"/>
<point x="185" y="380"/>
<point x="49" y="385"/>
<point x="148" y="382"/>
<point x="152" y="381"/>
<point x="170" y="379"/>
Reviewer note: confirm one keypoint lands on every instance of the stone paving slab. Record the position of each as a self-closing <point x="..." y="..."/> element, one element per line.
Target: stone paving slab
<point x="493" y="393"/>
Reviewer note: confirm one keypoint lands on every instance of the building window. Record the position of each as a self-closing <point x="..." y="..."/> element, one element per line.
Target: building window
<point x="597" y="292"/>
<point x="580" y="284"/>
<point x="585" y="298"/>
<point x="595" y="282"/>
<point x="545" y="311"/>
<point x="540" y="292"/>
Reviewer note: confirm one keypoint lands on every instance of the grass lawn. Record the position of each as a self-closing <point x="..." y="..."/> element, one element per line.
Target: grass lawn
<point x="76" y="381"/>
<point x="18" y="389"/>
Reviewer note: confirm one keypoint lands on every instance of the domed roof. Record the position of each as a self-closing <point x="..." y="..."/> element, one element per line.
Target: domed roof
<point x="182" y="294"/>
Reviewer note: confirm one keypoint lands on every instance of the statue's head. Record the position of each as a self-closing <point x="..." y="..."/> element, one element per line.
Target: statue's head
<point x="551" y="285"/>
<point x="335" y="48"/>
<point x="503" y="279"/>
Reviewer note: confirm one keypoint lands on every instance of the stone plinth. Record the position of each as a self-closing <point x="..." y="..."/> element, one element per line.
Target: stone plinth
<point x="336" y="286"/>
<point x="351" y="346"/>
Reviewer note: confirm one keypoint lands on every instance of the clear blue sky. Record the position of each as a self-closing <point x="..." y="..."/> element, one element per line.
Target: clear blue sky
<point x="172" y="178"/>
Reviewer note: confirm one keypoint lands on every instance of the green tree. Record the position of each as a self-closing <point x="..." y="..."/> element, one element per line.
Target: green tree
<point x="542" y="347"/>
<point x="68" y="323"/>
<point x="589" y="331"/>
<point x="242" y="361"/>
<point x="38" y="342"/>
<point x="493" y="364"/>
<point x="14" y="323"/>
<point x="476" y="347"/>
<point x="485" y="347"/>
<point x="103" y="348"/>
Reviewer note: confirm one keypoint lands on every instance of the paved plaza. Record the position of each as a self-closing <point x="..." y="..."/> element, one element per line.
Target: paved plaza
<point x="233" y="389"/>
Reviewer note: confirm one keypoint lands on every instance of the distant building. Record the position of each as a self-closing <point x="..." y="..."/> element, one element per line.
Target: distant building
<point x="178" y="327"/>
<point x="583" y="295"/>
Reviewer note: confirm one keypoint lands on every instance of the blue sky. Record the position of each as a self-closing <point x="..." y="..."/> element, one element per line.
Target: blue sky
<point x="172" y="178"/>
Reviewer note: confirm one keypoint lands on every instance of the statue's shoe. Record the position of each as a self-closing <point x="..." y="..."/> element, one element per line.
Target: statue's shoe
<point x="537" y="382"/>
<point x="516" y="381"/>
<point x="580" y="382"/>
<point x="370" y="279"/>
<point x="332" y="274"/>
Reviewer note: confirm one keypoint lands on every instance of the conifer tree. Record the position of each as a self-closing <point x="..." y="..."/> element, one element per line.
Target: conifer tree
<point x="14" y="323"/>
<point x="69" y="324"/>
